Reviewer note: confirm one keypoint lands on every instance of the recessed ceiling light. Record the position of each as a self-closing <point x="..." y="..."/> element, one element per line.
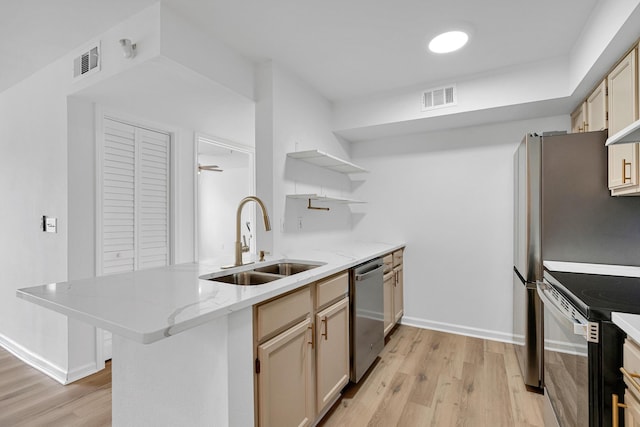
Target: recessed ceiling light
<point x="448" y="42"/>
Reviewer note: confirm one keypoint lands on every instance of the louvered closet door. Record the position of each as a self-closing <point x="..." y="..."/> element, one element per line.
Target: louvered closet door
<point x="153" y="199"/>
<point x="135" y="198"/>
<point x="118" y="198"/>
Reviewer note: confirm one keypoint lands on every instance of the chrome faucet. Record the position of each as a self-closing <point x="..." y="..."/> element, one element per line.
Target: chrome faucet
<point x="267" y="226"/>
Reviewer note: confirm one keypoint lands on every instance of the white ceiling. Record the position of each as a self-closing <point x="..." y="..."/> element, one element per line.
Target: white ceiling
<point x="345" y="49"/>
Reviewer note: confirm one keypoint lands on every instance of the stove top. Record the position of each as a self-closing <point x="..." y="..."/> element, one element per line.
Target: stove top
<point x="596" y="296"/>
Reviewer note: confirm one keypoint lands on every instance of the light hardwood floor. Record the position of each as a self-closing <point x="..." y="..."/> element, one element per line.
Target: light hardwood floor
<point x="30" y="398"/>
<point x="423" y="378"/>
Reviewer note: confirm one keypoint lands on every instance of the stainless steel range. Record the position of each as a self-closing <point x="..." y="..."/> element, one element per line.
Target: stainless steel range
<point x="583" y="348"/>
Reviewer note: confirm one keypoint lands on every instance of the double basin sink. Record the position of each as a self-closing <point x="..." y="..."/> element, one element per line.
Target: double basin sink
<point x="258" y="274"/>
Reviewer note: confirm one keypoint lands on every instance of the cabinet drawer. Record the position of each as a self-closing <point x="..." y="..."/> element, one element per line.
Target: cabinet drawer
<point x="397" y="257"/>
<point x="388" y="262"/>
<point x="333" y="288"/>
<point x="274" y="315"/>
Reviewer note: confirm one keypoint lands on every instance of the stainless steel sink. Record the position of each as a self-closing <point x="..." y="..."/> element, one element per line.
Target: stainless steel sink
<point x="246" y="278"/>
<point x="286" y="268"/>
<point x="262" y="274"/>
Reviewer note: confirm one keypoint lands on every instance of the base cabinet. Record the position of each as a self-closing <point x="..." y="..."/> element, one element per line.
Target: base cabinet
<point x="631" y="375"/>
<point x="632" y="410"/>
<point x="285" y="380"/>
<point x="393" y="291"/>
<point x="332" y="352"/>
<point x="302" y="353"/>
<point x="398" y="294"/>
<point x="389" y="315"/>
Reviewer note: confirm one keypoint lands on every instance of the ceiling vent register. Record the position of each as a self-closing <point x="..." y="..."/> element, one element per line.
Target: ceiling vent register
<point x="444" y="96"/>
<point x="87" y="62"/>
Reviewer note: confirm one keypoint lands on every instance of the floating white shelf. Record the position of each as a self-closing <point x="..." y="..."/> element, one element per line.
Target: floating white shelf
<point x="327" y="161"/>
<point x="318" y="198"/>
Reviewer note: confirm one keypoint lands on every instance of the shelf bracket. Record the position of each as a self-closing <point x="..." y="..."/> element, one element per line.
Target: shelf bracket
<point x="315" y="207"/>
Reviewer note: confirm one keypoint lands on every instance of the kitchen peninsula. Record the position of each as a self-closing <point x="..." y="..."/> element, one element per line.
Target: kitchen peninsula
<point x="182" y="346"/>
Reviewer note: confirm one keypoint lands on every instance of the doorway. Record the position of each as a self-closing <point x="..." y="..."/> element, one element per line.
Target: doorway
<point x="224" y="175"/>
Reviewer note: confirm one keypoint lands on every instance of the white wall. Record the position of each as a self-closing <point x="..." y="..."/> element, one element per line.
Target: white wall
<point x="449" y="195"/>
<point x="34" y="183"/>
<point x="301" y="119"/>
<point x="47" y="137"/>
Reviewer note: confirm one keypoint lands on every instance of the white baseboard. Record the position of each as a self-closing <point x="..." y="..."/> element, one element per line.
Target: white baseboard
<point x="34" y="360"/>
<point x="81" y="372"/>
<point x="52" y="370"/>
<point x="460" y="330"/>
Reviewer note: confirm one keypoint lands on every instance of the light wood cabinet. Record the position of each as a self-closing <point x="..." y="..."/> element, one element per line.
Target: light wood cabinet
<point x="332" y="352"/>
<point x="394" y="292"/>
<point x="631" y="375"/>
<point x="398" y="293"/>
<point x="596" y="106"/>
<point x="579" y="118"/>
<point x="591" y="115"/>
<point x="285" y="378"/>
<point x="302" y="352"/>
<point x="632" y="411"/>
<point x="389" y="315"/>
<point x="622" y="85"/>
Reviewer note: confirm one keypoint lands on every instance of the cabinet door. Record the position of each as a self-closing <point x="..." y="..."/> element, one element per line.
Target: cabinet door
<point x="332" y="352"/>
<point x="623" y="110"/>
<point x="597" y="108"/>
<point x="389" y="315"/>
<point x="285" y="381"/>
<point x="632" y="411"/>
<point x="579" y="118"/>
<point x="398" y="294"/>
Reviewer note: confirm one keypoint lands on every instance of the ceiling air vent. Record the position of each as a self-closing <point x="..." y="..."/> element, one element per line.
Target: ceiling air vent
<point x="87" y="62"/>
<point x="439" y="97"/>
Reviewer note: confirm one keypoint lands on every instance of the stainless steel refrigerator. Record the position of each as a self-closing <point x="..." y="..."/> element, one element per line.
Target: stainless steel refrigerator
<point x="563" y="211"/>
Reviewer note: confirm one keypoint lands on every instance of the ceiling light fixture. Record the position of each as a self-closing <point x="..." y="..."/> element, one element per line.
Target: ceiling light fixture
<point x="448" y="42"/>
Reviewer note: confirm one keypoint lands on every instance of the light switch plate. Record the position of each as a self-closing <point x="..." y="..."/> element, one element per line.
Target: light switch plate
<point x="49" y="224"/>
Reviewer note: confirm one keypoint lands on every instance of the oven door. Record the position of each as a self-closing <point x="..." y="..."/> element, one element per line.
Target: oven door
<point x="566" y="368"/>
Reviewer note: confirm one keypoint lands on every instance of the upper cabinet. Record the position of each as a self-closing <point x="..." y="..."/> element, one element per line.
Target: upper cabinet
<point x="579" y="119"/>
<point x="597" y="108"/>
<point x="623" y="110"/>
<point x="591" y="115"/>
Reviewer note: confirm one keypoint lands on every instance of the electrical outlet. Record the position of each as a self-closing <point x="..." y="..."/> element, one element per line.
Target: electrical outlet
<point x="299" y="223"/>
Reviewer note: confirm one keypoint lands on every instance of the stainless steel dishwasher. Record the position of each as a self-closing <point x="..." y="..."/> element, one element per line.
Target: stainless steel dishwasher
<point x="367" y="316"/>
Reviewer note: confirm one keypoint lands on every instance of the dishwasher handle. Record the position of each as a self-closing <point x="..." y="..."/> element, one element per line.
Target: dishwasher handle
<point x="365" y="276"/>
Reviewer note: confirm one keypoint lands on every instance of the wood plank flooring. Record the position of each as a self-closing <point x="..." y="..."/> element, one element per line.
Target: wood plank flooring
<point x="30" y="398"/>
<point x="423" y="378"/>
<point x="430" y="378"/>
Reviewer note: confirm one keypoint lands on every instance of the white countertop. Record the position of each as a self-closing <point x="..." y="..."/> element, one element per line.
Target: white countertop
<point x="630" y="323"/>
<point x="149" y="305"/>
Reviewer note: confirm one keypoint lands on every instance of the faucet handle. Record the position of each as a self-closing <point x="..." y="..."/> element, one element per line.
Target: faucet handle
<point x="262" y="254"/>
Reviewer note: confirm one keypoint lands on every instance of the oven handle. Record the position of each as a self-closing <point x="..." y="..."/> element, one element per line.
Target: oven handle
<point x="589" y="330"/>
